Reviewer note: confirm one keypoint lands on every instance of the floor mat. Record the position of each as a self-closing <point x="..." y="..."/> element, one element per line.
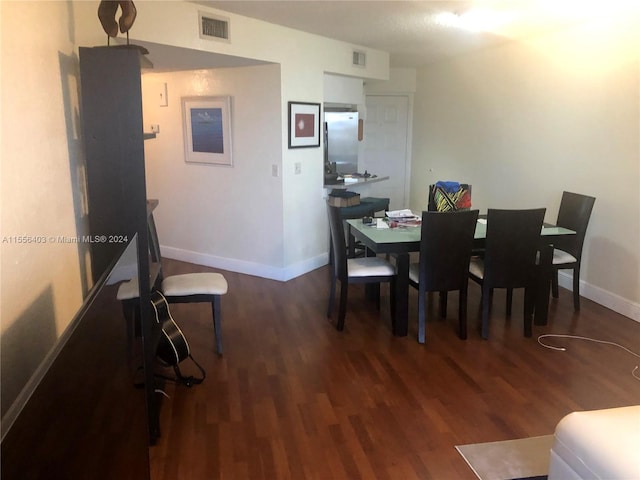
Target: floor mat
<point x="526" y="457"/>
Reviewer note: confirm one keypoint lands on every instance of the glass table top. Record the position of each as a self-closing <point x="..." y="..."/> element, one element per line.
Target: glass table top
<point x="412" y="233"/>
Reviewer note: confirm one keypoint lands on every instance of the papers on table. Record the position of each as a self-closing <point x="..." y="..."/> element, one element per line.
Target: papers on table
<point x="403" y="218"/>
<point x="400" y="214"/>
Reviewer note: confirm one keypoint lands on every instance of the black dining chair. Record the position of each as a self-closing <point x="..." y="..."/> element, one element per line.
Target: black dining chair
<point x="446" y="243"/>
<point x="575" y="212"/>
<point x="368" y="270"/>
<point x="511" y="247"/>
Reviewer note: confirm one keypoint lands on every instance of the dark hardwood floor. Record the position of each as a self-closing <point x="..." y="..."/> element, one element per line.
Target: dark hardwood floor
<point x="292" y="398"/>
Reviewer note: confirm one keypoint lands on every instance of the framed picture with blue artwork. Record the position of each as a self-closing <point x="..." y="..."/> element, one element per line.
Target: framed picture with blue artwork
<point x="207" y="130"/>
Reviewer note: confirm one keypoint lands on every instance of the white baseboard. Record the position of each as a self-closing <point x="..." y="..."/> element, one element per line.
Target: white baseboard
<point x="241" y="266"/>
<point x="607" y="299"/>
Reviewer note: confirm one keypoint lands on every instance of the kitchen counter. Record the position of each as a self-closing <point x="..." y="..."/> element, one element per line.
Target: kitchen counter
<point x="351" y="182"/>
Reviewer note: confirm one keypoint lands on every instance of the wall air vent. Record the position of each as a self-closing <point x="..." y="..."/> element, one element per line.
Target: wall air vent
<point x="214" y="27"/>
<point x="359" y="59"/>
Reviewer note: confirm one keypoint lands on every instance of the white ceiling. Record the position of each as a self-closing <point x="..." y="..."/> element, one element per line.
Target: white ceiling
<point x="409" y="30"/>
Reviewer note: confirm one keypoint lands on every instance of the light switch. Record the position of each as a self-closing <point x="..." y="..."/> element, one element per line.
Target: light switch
<point x="162" y="95"/>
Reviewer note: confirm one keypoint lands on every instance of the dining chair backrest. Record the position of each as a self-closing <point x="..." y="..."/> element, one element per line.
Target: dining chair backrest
<point x="575" y="212"/>
<point x="338" y="242"/>
<point x="512" y="241"/>
<point x="449" y="196"/>
<point x="445" y="249"/>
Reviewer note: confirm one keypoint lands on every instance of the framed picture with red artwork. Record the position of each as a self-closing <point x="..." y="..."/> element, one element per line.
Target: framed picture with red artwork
<point x="304" y="124"/>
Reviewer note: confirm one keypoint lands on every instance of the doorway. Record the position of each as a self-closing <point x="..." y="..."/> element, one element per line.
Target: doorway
<point x="385" y="147"/>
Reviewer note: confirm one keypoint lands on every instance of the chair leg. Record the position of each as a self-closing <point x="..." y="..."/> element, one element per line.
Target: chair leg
<point x="486" y="303"/>
<point x="217" y="327"/>
<point x="443" y="304"/>
<point x="554" y="283"/>
<point x="332" y="295"/>
<point x="529" y="301"/>
<point x="490" y="298"/>
<point x="422" y="298"/>
<point x="344" y="288"/>
<point x="576" y="288"/>
<point x="462" y="314"/>
<point x="509" y="301"/>
<point x="330" y="256"/>
<point x="392" y="302"/>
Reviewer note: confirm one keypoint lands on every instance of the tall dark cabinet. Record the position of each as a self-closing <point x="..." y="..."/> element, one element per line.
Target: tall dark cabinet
<point x="114" y="151"/>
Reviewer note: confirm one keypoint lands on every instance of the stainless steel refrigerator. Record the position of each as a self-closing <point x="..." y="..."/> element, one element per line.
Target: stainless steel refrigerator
<point x="341" y="142"/>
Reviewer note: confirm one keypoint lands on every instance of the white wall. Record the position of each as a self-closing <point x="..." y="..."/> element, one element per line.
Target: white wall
<point x="175" y="23"/>
<point x="525" y="121"/>
<point x="41" y="284"/>
<point x="342" y="90"/>
<point x="228" y="217"/>
<point x="400" y="81"/>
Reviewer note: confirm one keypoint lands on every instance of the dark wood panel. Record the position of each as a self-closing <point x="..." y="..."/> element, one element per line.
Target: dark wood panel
<point x="294" y="398"/>
<point x="85" y="419"/>
<point x="113" y="147"/>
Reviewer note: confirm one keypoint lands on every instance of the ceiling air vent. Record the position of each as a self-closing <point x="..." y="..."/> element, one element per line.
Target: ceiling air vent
<point x="214" y="27"/>
<point x="359" y="59"/>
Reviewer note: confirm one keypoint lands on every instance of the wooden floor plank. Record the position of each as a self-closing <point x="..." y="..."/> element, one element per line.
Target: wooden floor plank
<point x="293" y="398"/>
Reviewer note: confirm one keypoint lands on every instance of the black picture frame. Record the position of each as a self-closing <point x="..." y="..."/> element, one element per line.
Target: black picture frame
<point x="304" y="125"/>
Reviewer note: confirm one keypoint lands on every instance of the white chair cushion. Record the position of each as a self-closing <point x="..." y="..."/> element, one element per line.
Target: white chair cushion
<point x="369" y="267"/>
<point x="476" y="267"/>
<point x="194" y="284"/>
<point x="179" y="285"/>
<point x="560" y="257"/>
<point x="128" y="290"/>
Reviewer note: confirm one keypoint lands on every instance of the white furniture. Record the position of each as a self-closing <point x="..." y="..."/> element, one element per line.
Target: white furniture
<point x="598" y="444"/>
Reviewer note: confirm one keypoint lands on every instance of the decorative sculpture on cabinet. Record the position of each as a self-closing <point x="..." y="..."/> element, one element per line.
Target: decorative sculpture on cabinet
<point x="107" y="15"/>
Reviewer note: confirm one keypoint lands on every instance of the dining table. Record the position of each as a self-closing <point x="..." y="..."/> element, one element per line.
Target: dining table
<point x="399" y="242"/>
